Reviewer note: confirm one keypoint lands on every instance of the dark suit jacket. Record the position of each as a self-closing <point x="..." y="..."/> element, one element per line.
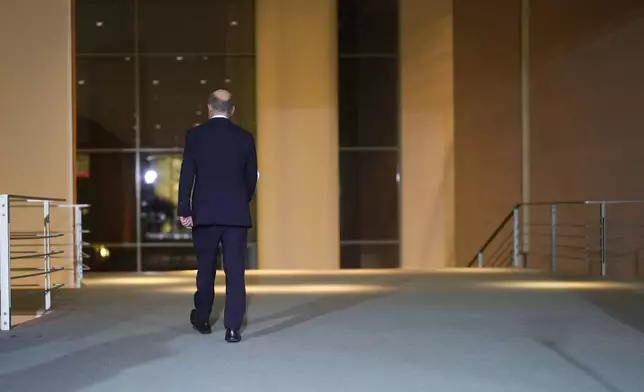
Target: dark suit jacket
<point x="218" y="174"/>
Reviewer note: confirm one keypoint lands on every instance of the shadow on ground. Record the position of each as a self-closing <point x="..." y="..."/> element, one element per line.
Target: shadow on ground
<point x="319" y="307"/>
<point x="77" y="370"/>
<point x="622" y="305"/>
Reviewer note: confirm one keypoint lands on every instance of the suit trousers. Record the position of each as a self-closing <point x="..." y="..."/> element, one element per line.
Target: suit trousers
<point x="206" y="241"/>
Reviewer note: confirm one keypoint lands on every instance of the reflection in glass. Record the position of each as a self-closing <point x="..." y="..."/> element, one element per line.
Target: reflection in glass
<point x="175" y="89"/>
<point x="110" y="258"/>
<point x="104" y="26"/>
<point x="197" y="26"/>
<point x="369" y="256"/>
<point x="368" y="195"/>
<point x="186" y="49"/>
<point x="368" y="102"/>
<point x="106" y="182"/>
<point x="169" y="258"/>
<point x="159" y="195"/>
<point x="182" y="257"/>
<point x="105" y="102"/>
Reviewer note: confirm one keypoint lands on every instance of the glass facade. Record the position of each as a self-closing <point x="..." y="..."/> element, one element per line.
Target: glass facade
<point x="144" y="69"/>
<point x="368" y="133"/>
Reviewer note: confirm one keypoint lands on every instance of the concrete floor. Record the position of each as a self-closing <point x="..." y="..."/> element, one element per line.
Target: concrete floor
<point x="452" y="331"/>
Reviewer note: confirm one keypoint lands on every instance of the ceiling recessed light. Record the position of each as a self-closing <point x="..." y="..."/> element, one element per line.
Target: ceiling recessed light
<point x="99" y="24"/>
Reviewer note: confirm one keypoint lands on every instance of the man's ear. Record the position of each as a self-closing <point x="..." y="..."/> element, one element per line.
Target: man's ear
<point x="232" y="111"/>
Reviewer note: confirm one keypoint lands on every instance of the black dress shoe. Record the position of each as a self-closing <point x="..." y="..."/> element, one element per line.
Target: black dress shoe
<point x="203" y="328"/>
<point x="233" y="336"/>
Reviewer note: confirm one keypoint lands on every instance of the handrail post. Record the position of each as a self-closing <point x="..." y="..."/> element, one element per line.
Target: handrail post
<point x="479" y="259"/>
<point x="602" y="237"/>
<point x="78" y="242"/>
<point x="516" y="235"/>
<point x="526" y="167"/>
<point x="47" y="253"/>
<point x="5" y="270"/>
<point x="553" y="237"/>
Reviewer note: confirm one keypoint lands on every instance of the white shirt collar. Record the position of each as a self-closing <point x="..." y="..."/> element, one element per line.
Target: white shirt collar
<point x="218" y="116"/>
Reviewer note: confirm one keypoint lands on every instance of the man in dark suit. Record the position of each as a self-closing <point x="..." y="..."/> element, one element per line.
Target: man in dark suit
<point x="217" y="183"/>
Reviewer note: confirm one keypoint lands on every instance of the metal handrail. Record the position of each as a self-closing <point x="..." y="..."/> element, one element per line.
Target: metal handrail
<point x="520" y="231"/>
<point x="504" y="246"/>
<point x="494" y="234"/>
<point x="35" y="236"/>
<point x="7" y="202"/>
<point x="37" y="255"/>
<point x="505" y="221"/>
<point x="31" y="199"/>
<point x="581" y="202"/>
<point x="43" y="273"/>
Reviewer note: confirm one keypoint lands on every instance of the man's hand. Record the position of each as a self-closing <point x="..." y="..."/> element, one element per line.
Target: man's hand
<point x="186" y="222"/>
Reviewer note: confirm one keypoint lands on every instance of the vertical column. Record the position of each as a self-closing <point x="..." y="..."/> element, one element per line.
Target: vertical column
<point x="297" y="132"/>
<point x="36" y="97"/>
<point x="427" y="133"/>
<point x="525" y="121"/>
<point x="487" y="118"/>
<point x="36" y="132"/>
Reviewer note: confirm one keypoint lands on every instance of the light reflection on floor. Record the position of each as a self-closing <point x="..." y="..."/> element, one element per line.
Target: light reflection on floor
<point x="348" y="281"/>
<point x="294" y="289"/>
<point x="178" y="277"/>
<point x="563" y="285"/>
<point x="258" y="282"/>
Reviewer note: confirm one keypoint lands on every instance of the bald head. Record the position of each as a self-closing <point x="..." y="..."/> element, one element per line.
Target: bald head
<point x="220" y="103"/>
<point x="222" y="94"/>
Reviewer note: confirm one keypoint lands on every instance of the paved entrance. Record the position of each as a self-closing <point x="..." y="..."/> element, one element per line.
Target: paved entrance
<point x="452" y="331"/>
